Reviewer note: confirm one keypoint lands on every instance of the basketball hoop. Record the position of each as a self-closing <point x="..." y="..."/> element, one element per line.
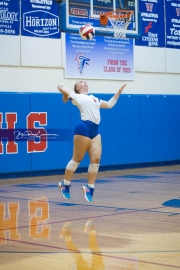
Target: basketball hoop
<point x="119" y="19"/>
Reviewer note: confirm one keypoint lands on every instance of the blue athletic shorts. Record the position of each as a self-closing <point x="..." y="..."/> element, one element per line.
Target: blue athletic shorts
<point x="87" y="129"/>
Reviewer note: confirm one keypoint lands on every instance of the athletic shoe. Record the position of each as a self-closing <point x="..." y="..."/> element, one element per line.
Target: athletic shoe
<point x="65" y="190"/>
<point x="88" y="193"/>
<point x="66" y="229"/>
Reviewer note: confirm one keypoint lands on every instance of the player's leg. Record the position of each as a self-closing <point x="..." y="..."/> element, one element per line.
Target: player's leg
<point x="94" y="152"/>
<point x="81" y="145"/>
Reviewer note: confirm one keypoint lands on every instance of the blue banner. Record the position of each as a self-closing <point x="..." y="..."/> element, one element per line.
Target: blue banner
<point x="173" y="24"/>
<point x="9" y="17"/>
<point x="40" y="18"/>
<point x="153" y="29"/>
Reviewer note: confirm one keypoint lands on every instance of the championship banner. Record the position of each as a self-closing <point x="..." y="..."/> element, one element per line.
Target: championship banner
<point x="99" y="58"/>
<point x="40" y="18"/>
<point x="9" y="17"/>
<point x="173" y="24"/>
<point x="152" y="16"/>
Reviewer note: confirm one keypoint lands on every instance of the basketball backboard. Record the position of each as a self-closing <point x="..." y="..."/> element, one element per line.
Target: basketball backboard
<point x="75" y="13"/>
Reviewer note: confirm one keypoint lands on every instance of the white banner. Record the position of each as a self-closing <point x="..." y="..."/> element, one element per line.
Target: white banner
<point x="99" y="58"/>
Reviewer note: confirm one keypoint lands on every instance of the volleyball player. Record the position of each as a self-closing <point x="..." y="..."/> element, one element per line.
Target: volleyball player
<point x="86" y="135"/>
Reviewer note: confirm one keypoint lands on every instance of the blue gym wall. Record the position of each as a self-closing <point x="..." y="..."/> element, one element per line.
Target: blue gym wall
<point x="139" y="129"/>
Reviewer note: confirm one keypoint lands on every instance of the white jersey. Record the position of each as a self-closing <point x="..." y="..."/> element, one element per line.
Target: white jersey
<point x="88" y="105"/>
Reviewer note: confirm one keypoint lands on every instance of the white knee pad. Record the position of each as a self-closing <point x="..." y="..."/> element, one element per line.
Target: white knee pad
<point x="93" y="168"/>
<point x="72" y="165"/>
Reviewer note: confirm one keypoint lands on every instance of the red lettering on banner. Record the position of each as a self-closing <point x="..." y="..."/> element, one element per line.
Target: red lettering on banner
<point x="118" y="69"/>
<point x="178" y="11"/>
<point x="149" y="7"/>
<point x="11" y="146"/>
<point x="41" y="145"/>
<point x="79" y="12"/>
<point x="109" y="69"/>
<point x="126" y="70"/>
<point x="112" y="62"/>
<point x="123" y="62"/>
<point x="115" y="66"/>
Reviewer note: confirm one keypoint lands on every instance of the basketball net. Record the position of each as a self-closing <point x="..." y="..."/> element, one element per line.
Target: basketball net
<point x="119" y="20"/>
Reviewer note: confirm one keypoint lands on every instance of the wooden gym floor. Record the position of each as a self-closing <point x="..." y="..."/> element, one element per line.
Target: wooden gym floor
<point x="133" y="222"/>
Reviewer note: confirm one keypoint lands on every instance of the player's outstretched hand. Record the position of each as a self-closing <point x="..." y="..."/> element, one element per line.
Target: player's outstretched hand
<point x="122" y="88"/>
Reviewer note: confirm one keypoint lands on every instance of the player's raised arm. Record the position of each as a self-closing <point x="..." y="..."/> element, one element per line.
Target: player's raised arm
<point x="109" y="104"/>
<point x="65" y="91"/>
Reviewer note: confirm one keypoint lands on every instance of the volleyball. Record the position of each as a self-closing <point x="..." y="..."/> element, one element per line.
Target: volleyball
<point x="87" y="32"/>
